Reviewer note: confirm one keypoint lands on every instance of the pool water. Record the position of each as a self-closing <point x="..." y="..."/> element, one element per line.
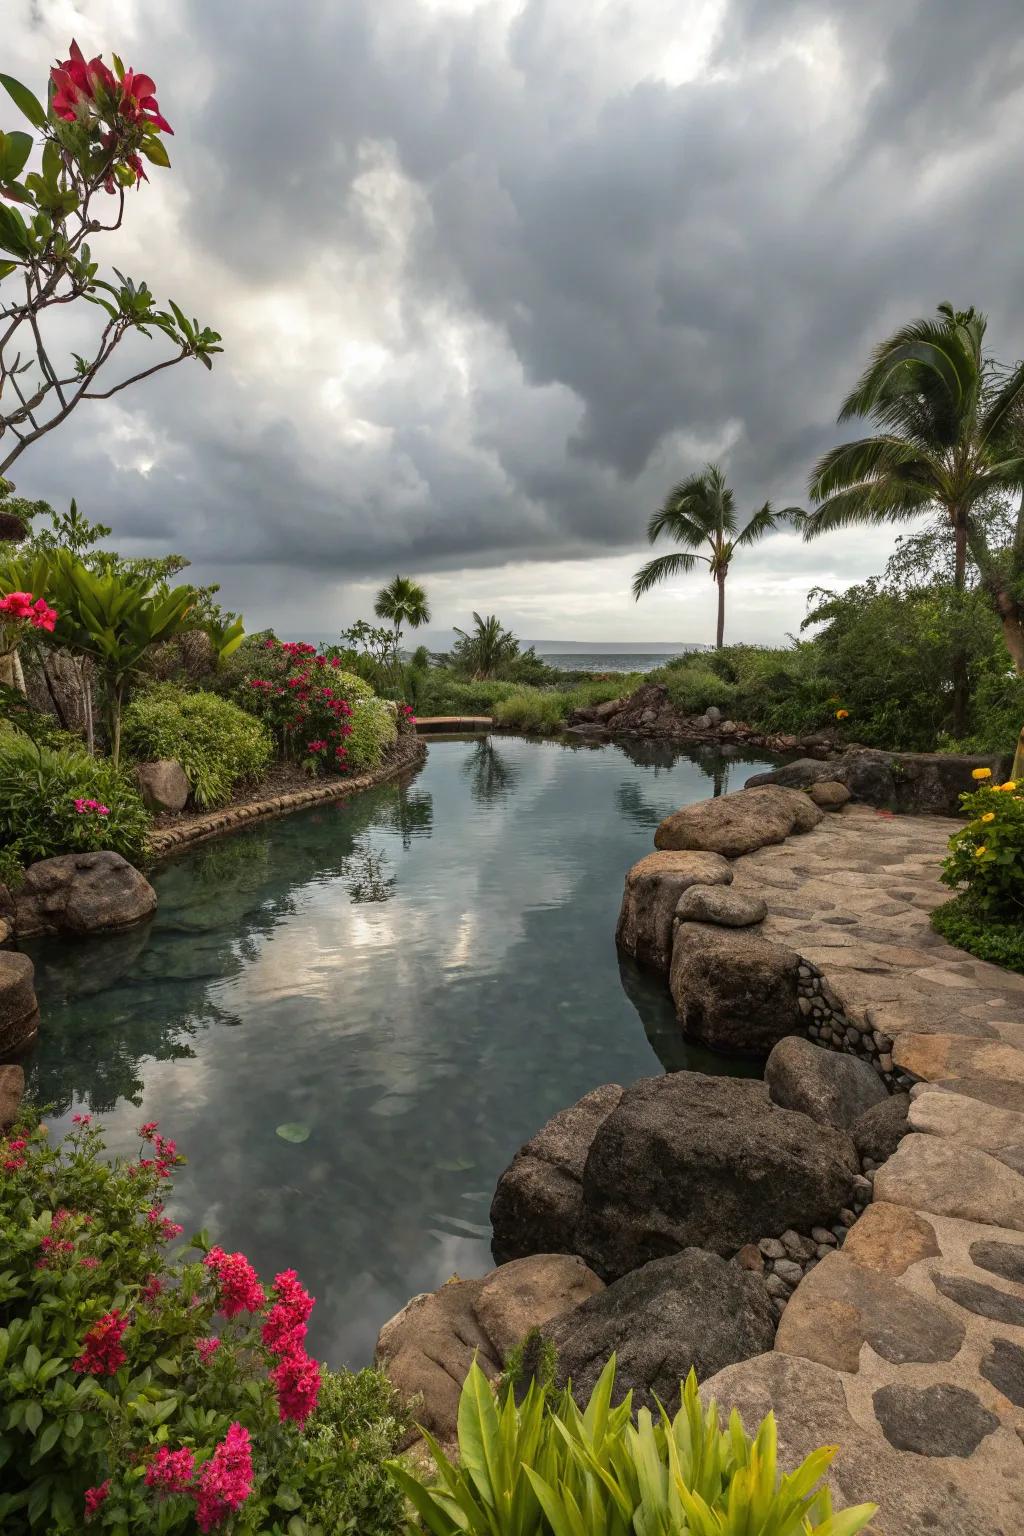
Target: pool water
<point x="407" y="985"/>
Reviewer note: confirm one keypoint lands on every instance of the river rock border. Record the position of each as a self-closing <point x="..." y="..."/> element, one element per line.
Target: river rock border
<point x="408" y="753"/>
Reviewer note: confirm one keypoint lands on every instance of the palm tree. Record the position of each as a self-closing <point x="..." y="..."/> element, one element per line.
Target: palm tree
<point x="949" y="436"/>
<point x="403" y="601"/>
<point x="700" y="513"/>
<point x="486" y="648"/>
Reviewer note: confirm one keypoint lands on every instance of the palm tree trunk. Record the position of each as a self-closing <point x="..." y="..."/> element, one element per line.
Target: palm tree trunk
<point x="720" y="633"/>
<point x="960" y="680"/>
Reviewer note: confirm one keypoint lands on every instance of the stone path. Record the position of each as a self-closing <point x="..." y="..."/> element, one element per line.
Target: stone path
<point x="907" y="1347"/>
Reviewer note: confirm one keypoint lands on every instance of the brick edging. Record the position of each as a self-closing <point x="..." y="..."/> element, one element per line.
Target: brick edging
<point x="214" y="823"/>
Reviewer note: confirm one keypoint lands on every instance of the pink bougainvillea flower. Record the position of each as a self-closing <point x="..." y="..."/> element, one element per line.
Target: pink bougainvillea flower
<point x="238" y="1284"/>
<point x="102" y="1353"/>
<point x="89" y="1262"/>
<point x="81" y="1119"/>
<point x="225" y="1482"/>
<point x="285" y="1327"/>
<point x="95" y="1497"/>
<point x="206" y="1349"/>
<point x="170" y="1471"/>
<point x="297" y="1381"/>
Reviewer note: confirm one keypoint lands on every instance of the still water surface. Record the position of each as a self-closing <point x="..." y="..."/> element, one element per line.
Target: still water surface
<point x="418" y="979"/>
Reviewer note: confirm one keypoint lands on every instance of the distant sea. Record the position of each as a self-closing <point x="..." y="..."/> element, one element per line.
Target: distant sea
<point x="605" y="661"/>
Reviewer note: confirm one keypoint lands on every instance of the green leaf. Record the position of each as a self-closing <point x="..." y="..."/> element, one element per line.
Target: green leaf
<point x="15" y="149"/>
<point x="33" y="1417"/>
<point x="48" y="1439"/>
<point x="155" y="153"/>
<point x="6" y="268"/>
<point x="293" y="1131"/>
<point x="24" y="100"/>
<point x="287" y="1498"/>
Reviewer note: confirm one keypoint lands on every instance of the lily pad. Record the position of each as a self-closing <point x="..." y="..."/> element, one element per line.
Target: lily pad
<point x="455" y="1165"/>
<point x="293" y="1131"/>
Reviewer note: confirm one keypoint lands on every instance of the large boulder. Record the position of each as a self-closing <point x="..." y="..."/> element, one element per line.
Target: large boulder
<point x="653" y="888"/>
<point x="162" y="785"/>
<point x="626" y="1176"/>
<point x="733" y="989"/>
<point x="715" y="904"/>
<point x="12" y="1089"/>
<point x="428" y="1347"/>
<point x="691" y="1309"/>
<point x="879" y="1130"/>
<point x="82" y="893"/>
<point x="833" y="1089"/>
<point x="735" y="824"/>
<point x="536" y="1205"/>
<point x="19" y="1011"/>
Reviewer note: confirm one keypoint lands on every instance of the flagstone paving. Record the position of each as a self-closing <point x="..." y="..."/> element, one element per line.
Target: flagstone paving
<point x="907" y="1347"/>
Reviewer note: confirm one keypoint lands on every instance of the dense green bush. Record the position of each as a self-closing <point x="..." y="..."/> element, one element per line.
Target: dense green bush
<point x="140" y="1392"/>
<point x="373" y="729"/>
<point x="963" y="923"/>
<point x="64" y="801"/>
<point x="218" y="744"/>
<point x="987" y="855"/>
<point x="544" y="1468"/>
<point x="532" y="711"/>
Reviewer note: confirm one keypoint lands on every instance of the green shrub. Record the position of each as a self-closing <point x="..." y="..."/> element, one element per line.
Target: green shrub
<point x="987" y="855"/>
<point x="123" y="1370"/>
<point x="373" y="728"/>
<point x="218" y="744"/>
<point x="963" y="923"/>
<point x="544" y="1468"/>
<point x="694" y="689"/>
<point x="66" y="802"/>
<point x="534" y="712"/>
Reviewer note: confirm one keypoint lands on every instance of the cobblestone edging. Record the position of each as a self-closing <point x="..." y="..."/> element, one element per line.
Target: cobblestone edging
<point x="410" y="753"/>
<point x="826" y="1024"/>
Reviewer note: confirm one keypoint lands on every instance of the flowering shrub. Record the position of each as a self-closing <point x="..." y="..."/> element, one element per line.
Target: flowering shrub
<point x="324" y="717"/>
<point x="140" y="1392"/>
<point x="987" y="855"/>
<point x="217" y="744"/>
<point x="20" y="607"/>
<point x="64" y="801"/>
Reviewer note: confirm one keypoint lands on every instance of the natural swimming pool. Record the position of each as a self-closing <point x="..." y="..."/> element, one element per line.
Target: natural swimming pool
<point x="407" y="985"/>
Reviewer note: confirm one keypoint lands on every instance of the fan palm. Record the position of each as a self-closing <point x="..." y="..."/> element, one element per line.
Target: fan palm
<point x="950" y="435"/>
<point x="700" y="513"/>
<point x="403" y="601"/>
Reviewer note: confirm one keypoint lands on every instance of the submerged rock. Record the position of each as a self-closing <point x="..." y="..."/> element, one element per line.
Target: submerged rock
<point x="82" y="893"/>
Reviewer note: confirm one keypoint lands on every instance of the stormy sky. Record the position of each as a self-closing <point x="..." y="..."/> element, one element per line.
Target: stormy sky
<point x="491" y="276"/>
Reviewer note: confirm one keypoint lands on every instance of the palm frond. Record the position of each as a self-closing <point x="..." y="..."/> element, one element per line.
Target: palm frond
<point x="763" y="521"/>
<point x="921" y="357"/>
<point x="662" y="568"/>
<point x="866" y="503"/>
<point x="866" y="459"/>
<point x="1004" y="413"/>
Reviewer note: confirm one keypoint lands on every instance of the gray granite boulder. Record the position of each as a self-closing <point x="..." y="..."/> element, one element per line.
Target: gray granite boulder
<point x="718" y="905"/>
<point x="82" y="893"/>
<point x="691" y="1309"/>
<point x="19" y="1011"/>
<point x="733" y="989"/>
<point x="735" y="824"/>
<point x="708" y="1162"/>
<point x="833" y="1088"/>
<point x="162" y="785"/>
<point x="652" y="891"/>
<point x="879" y="1130"/>
<point x="537" y="1203"/>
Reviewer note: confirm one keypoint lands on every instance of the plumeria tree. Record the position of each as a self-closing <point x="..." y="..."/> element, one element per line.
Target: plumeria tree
<point x="98" y="130"/>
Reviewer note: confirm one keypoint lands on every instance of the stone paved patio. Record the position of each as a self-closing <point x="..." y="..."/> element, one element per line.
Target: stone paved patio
<point x="907" y="1348"/>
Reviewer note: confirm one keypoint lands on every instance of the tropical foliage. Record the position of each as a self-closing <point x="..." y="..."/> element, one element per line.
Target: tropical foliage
<point x="98" y="128"/>
<point x="218" y="744"/>
<point x="699" y="514"/>
<point x="485" y="650"/>
<point x="402" y="601"/>
<point x="59" y="799"/>
<point x="544" y="1467"/>
<point x="987" y="855"/>
<point x="145" y="1392"/>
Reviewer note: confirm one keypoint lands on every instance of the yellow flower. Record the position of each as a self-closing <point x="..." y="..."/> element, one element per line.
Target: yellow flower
<point x="981" y="773"/>
<point x="989" y="816"/>
<point x="1011" y="785"/>
<point x="979" y="851"/>
<point x="842" y="714"/>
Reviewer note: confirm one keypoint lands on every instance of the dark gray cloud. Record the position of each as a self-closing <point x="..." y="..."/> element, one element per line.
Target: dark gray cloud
<point x="490" y="278"/>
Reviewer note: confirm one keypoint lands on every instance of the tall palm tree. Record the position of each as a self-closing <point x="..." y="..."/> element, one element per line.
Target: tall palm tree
<point x="403" y="601"/>
<point x="484" y="649"/>
<point x="950" y="434"/>
<point x="700" y="513"/>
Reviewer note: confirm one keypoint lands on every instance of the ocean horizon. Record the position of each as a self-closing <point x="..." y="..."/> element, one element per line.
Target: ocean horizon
<point x="599" y="660"/>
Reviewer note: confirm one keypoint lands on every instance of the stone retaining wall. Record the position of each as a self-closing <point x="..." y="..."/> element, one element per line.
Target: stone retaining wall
<point x="409" y="752"/>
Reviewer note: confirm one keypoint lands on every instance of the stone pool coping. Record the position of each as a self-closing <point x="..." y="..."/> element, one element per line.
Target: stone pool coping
<point x="411" y="751"/>
<point x="929" y="1420"/>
